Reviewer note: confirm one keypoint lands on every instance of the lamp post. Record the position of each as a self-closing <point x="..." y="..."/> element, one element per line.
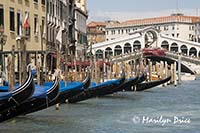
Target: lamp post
<point x="3" y="39"/>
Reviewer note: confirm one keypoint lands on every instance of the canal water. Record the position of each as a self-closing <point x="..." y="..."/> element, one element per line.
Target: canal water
<point x="160" y="110"/>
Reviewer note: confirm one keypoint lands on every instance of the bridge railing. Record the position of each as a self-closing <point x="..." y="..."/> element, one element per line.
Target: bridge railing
<point x="190" y="59"/>
<point x="127" y="56"/>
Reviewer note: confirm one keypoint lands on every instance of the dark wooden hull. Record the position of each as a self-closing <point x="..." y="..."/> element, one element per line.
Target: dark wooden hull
<point x="121" y="87"/>
<point x="90" y="93"/>
<point x="140" y="79"/>
<point x="73" y="92"/>
<point x="32" y="104"/>
<point x="101" y="90"/>
<point x="149" y="85"/>
<point x="53" y="98"/>
<point x="21" y="94"/>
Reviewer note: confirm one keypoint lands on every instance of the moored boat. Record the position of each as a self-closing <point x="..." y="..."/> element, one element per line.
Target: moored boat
<point x="102" y="89"/>
<point x="151" y="84"/>
<point x="18" y="95"/>
<point x="41" y="98"/>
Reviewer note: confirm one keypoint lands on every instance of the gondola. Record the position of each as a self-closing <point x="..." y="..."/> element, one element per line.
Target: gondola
<point x="18" y="95"/>
<point x="140" y="79"/>
<point x="99" y="90"/>
<point x="72" y="89"/>
<point x="41" y="98"/>
<point x="65" y="92"/>
<point x="149" y="85"/>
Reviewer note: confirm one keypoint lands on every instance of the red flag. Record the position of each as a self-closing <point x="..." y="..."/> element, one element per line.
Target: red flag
<point x="26" y="23"/>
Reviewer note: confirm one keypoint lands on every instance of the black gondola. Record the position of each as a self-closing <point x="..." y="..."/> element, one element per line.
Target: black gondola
<point x="20" y="94"/>
<point x="148" y="85"/>
<point x="64" y="93"/>
<point x="141" y="78"/>
<point x="72" y="90"/>
<point x="40" y="100"/>
<point x="102" y="89"/>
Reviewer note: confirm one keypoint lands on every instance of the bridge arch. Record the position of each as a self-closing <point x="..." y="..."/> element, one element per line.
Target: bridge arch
<point x="137" y="45"/>
<point x="165" y="45"/>
<point x="118" y="50"/>
<point x="108" y="52"/>
<point x="184" y="49"/>
<point x="99" y="54"/>
<point x="127" y="48"/>
<point x="174" y="47"/>
<point x="193" y="51"/>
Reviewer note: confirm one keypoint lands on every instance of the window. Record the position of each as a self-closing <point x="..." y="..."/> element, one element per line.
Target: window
<point x="19" y="23"/>
<point x="35" y="24"/>
<point x="177" y="35"/>
<point x="12" y="19"/>
<point x="61" y="11"/>
<point x="50" y="11"/>
<point x="113" y="32"/>
<point x="192" y="27"/>
<point x="1" y="15"/>
<point x="43" y="2"/>
<point x="35" y="1"/>
<point x="165" y="27"/>
<point x="47" y="6"/>
<point x="173" y="34"/>
<point x="26" y="25"/>
<point x="53" y="10"/>
<point x="43" y="27"/>
<point x="173" y="28"/>
<point x="190" y="35"/>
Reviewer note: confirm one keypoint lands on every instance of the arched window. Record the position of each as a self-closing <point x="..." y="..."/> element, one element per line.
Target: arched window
<point x="165" y="45"/>
<point x="174" y="47"/>
<point x="193" y="52"/>
<point x="118" y="50"/>
<point x="136" y="45"/>
<point x="108" y="52"/>
<point x="184" y="49"/>
<point x="127" y="48"/>
<point x="99" y="54"/>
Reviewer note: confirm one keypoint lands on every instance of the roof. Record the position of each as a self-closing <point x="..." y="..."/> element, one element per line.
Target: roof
<point x="95" y="24"/>
<point x="157" y="20"/>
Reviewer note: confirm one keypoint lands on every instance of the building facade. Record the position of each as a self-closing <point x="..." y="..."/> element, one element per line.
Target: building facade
<point x="60" y="17"/>
<point x="96" y="31"/>
<point x="23" y="20"/>
<point x="176" y="25"/>
<point x="80" y="28"/>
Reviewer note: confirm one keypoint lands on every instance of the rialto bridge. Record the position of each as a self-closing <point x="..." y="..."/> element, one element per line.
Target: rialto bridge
<point x="148" y="37"/>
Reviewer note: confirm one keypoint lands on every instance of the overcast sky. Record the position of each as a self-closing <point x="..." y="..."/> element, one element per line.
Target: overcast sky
<point x="100" y="10"/>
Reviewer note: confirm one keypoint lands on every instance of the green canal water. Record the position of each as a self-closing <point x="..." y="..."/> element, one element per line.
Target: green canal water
<point x="160" y="110"/>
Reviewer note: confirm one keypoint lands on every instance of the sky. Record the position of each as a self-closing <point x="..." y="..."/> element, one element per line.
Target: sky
<point x="121" y="10"/>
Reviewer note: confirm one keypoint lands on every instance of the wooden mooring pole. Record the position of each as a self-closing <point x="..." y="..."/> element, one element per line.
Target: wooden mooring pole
<point x="11" y="69"/>
<point x="179" y="68"/>
<point x="150" y="70"/>
<point x="174" y="73"/>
